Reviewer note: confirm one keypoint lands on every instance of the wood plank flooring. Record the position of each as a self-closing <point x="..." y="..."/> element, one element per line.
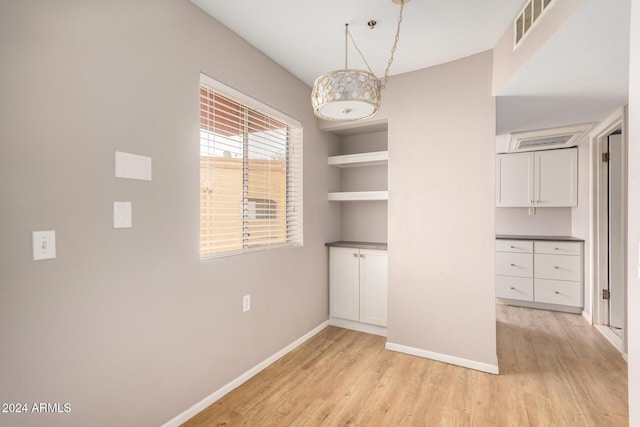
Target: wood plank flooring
<point x="555" y="370"/>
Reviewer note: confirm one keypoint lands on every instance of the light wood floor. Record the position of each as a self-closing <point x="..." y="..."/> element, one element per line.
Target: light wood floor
<point x="555" y="370"/>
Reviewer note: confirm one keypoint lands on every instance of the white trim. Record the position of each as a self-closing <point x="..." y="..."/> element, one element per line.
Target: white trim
<point x="341" y="196"/>
<point x="198" y="407"/>
<point x="615" y="340"/>
<point x="598" y="134"/>
<point x="248" y="100"/>
<point x="358" y="326"/>
<point x="587" y="317"/>
<point x="466" y="363"/>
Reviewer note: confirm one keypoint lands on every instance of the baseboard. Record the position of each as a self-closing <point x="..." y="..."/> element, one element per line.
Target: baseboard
<point x="613" y="339"/>
<point x="587" y="317"/>
<point x="358" y="326"/>
<point x="198" y="407"/>
<point x="465" y="363"/>
<point x="541" y="305"/>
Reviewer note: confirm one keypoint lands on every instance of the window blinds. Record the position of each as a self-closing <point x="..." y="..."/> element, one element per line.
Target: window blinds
<point x="250" y="175"/>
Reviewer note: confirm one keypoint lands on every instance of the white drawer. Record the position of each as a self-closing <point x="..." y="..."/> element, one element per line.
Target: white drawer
<point x="520" y="288"/>
<point x="514" y="264"/>
<point x="557" y="267"/>
<point x="558" y="292"/>
<point x="523" y="246"/>
<point x="558" y="248"/>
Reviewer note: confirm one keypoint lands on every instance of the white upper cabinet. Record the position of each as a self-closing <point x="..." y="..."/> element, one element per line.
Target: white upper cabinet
<point x="514" y="179"/>
<point x="556" y="178"/>
<point x="537" y="179"/>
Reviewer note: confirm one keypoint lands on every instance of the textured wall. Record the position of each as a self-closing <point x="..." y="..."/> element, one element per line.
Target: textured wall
<point x="442" y="210"/>
<point x="127" y="325"/>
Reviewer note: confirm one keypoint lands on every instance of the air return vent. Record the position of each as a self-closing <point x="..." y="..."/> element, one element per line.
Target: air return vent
<point x="546" y="139"/>
<point x="530" y="15"/>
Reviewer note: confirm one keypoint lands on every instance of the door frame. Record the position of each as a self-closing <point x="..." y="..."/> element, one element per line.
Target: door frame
<point x="598" y="246"/>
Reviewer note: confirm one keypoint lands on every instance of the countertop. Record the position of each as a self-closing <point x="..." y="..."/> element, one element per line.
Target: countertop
<point x="526" y="237"/>
<point x="360" y="245"/>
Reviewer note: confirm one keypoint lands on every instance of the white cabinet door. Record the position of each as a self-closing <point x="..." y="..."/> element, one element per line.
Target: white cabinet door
<point x="373" y="287"/>
<point x="514" y="180"/>
<point x="344" y="283"/>
<point x="556" y="178"/>
<point x="547" y="178"/>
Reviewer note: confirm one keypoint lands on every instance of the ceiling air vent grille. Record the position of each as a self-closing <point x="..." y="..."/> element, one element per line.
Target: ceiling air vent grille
<point x="530" y="15"/>
<point x="545" y="139"/>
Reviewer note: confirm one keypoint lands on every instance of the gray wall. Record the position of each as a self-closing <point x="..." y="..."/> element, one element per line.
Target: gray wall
<point x="442" y="210"/>
<point x="546" y="221"/>
<point x="128" y="326"/>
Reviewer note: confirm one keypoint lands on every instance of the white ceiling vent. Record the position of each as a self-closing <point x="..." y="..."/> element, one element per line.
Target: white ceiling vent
<point x="546" y="139"/>
<point x="531" y="13"/>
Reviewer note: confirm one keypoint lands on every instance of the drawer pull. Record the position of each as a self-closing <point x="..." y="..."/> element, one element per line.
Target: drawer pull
<point x="355" y="255"/>
<point x="512" y="265"/>
<point x="556" y="267"/>
<point x="557" y="292"/>
<point x="513" y="289"/>
<point x="512" y="247"/>
<point x="557" y="249"/>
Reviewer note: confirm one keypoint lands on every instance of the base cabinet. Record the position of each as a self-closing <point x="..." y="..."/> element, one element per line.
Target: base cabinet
<point x="358" y="285"/>
<point x="540" y="274"/>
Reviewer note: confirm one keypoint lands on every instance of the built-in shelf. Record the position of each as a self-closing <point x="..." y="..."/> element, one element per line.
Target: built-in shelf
<point x="358" y="195"/>
<point x="361" y="159"/>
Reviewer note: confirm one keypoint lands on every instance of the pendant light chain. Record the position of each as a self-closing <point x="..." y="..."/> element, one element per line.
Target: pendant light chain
<point x="361" y="55"/>
<point x="383" y="83"/>
<point x="395" y="45"/>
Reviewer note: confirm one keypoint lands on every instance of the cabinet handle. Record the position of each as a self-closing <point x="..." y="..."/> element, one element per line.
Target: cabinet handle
<point x="513" y="289"/>
<point x="355" y="255"/>
<point x="512" y="247"/>
<point x="556" y="267"/>
<point x="557" y="293"/>
<point x="361" y="255"/>
<point x="512" y="265"/>
<point x="557" y="249"/>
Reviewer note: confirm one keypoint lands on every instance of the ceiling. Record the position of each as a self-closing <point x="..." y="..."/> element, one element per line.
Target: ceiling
<point x="579" y="75"/>
<point x="307" y="37"/>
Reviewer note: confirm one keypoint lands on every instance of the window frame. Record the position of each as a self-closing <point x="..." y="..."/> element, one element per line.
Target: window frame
<point x="293" y="202"/>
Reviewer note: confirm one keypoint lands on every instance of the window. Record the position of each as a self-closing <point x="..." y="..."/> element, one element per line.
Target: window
<point x="250" y="174"/>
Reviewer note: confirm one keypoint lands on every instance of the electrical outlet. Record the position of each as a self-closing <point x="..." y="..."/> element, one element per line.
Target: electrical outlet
<point x="246" y="303"/>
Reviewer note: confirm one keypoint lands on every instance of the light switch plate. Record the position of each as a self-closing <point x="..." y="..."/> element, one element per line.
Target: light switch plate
<point x="44" y="244"/>
<point x="133" y="166"/>
<point x="122" y="215"/>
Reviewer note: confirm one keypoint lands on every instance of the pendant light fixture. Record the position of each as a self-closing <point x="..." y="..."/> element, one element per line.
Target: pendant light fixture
<point x="352" y="94"/>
